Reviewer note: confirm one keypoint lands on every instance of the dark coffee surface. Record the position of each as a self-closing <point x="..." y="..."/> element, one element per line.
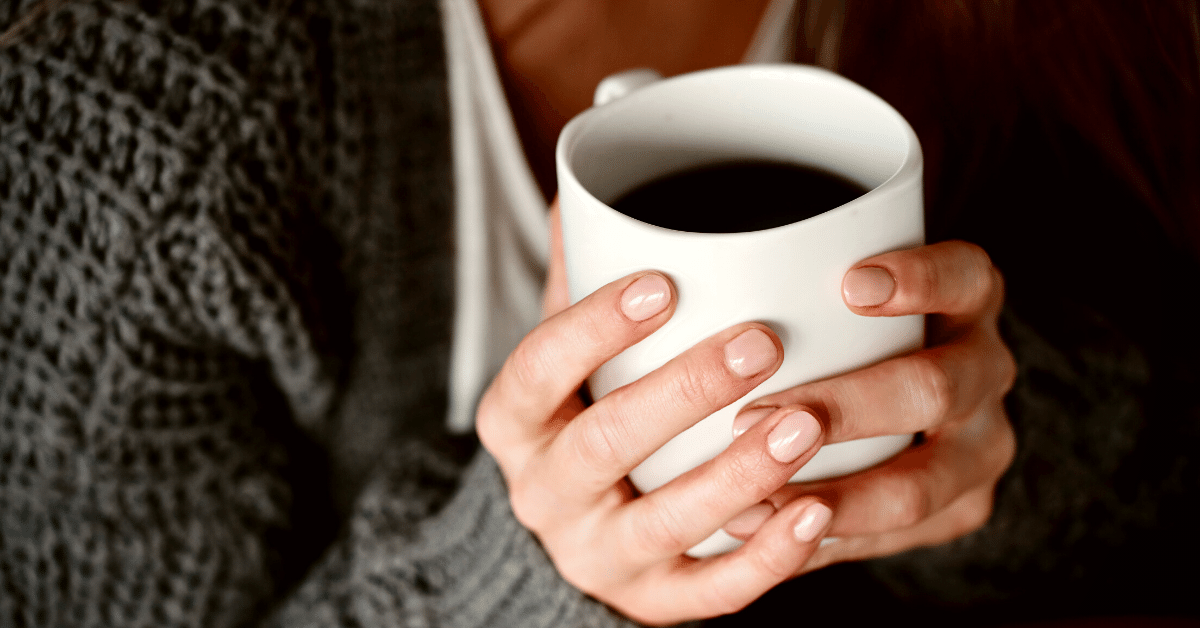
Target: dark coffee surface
<point x="737" y="196"/>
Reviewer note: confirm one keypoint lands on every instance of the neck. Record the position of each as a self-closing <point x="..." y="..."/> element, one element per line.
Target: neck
<point x="552" y="53"/>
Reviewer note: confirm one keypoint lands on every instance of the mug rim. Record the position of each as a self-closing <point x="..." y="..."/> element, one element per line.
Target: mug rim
<point x="909" y="168"/>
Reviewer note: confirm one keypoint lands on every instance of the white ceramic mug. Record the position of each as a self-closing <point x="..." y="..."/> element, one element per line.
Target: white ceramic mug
<point x="788" y="277"/>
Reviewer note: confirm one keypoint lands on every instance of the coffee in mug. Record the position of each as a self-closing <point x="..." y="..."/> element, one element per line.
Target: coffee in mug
<point x="737" y="196"/>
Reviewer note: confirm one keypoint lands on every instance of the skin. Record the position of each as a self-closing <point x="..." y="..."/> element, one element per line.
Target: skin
<point x="552" y="53"/>
<point x="566" y="462"/>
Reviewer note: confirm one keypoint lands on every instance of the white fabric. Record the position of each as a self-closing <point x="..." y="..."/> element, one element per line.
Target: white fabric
<point x="501" y="227"/>
<point x="775" y="39"/>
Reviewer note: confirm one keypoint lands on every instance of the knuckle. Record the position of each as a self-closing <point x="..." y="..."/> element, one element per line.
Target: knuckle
<point x="990" y="278"/>
<point x="641" y="613"/>
<point x="841" y="401"/>
<point x="722" y="597"/>
<point x="588" y="569"/>
<point x="581" y="574"/>
<point x="599" y="441"/>
<point x="528" y="505"/>
<point x="660" y="532"/>
<point x="1006" y="449"/>
<point x="982" y="288"/>
<point x="1008" y="369"/>
<point x="926" y="275"/>
<point x="528" y="365"/>
<point x="932" y="387"/>
<point x="978" y="255"/>
<point x="487" y="424"/>
<point x="999" y="287"/>
<point x="592" y="330"/>
<point x="984" y="279"/>
<point x="997" y="276"/>
<point x="749" y="474"/>
<point x="974" y="514"/>
<point x="774" y="564"/>
<point x="695" y="386"/>
<point x="724" y="603"/>
<point x="908" y="503"/>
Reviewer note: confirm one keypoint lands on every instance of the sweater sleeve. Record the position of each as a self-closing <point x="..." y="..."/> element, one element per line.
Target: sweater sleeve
<point x="224" y="263"/>
<point x="465" y="563"/>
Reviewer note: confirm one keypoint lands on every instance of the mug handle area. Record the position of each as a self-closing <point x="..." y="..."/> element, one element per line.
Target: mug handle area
<point x="615" y="86"/>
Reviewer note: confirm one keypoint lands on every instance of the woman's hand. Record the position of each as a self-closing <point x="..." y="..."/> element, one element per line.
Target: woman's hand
<point x="951" y="391"/>
<point x="565" y="464"/>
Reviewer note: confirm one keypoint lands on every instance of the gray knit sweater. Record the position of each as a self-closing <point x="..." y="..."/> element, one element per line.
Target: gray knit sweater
<point x="225" y="271"/>
<point x="225" y="274"/>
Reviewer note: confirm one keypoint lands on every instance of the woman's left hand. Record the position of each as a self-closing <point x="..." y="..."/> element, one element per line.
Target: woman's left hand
<point x="952" y="392"/>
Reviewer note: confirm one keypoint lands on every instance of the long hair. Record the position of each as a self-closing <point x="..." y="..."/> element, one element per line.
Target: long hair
<point x="1124" y="74"/>
<point x="22" y="21"/>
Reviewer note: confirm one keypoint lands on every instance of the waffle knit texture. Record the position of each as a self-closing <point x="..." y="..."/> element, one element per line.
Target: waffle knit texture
<point x="225" y="286"/>
<point x="226" y="261"/>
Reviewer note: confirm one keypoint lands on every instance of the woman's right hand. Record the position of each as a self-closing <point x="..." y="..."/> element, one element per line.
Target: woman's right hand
<point x="566" y="463"/>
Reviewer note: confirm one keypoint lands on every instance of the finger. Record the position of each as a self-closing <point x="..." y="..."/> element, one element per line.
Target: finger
<point x="920" y="481"/>
<point x="746" y="523"/>
<point x="923" y="391"/>
<point x="966" y="514"/>
<point x="556" y="297"/>
<point x="551" y="363"/>
<point x="667" y="521"/>
<point x="727" y="583"/>
<point x="624" y="427"/>
<point x="953" y="278"/>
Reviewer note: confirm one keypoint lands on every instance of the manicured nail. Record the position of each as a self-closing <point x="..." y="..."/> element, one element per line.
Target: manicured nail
<point x="750" y="353"/>
<point x="794" y="435"/>
<point x="749" y="520"/>
<point x="749" y="419"/>
<point x="868" y="286"/>
<point x="812" y="522"/>
<point x="645" y="297"/>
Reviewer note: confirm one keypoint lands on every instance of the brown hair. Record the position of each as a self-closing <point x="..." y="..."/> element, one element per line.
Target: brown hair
<point x="25" y="20"/>
<point x="1124" y="74"/>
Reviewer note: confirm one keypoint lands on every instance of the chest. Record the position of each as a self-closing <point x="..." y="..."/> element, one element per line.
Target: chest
<point x="552" y="54"/>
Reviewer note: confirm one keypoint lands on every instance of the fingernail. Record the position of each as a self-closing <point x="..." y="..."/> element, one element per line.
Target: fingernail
<point x="749" y="419"/>
<point x="749" y="520"/>
<point x="750" y="353"/>
<point x="812" y="522"/>
<point x="794" y="435"/>
<point x="645" y="297"/>
<point x="868" y="286"/>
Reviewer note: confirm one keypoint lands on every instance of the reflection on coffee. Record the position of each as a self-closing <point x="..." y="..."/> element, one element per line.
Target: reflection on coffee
<point x="737" y="196"/>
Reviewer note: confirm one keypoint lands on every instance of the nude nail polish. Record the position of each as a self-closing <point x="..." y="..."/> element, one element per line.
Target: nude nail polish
<point x="749" y="418"/>
<point x="747" y="522"/>
<point x="868" y="286"/>
<point x="812" y="522"/>
<point x="750" y="353"/>
<point x="795" y="434"/>
<point x="645" y="298"/>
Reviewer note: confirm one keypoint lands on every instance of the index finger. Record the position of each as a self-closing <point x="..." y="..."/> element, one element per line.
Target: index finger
<point x="955" y="278"/>
<point x="551" y="363"/>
